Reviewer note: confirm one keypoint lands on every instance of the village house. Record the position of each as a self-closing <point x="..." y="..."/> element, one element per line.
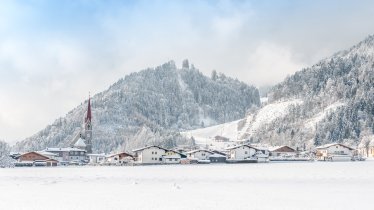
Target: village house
<point x="241" y="152"/>
<point x="68" y="155"/>
<point x="96" y="159"/>
<point x="247" y="153"/>
<point x="217" y="158"/>
<point x="334" y="152"/>
<point x="173" y="157"/>
<point x="149" y="155"/>
<point x="35" y="159"/>
<point x="200" y="154"/>
<point x="282" y="151"/>
<point x="121" y="158"/>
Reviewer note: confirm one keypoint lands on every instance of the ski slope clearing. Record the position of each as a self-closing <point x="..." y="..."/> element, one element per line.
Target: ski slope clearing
<point x="312" y="185"/>
<point x="235" y="132"/>
<point x="204" y="136"/>
<point x="267" y="114"/>
<point x="311" y="123"/>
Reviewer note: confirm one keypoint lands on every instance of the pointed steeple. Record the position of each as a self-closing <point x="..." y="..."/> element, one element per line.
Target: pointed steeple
<point x="88" y="117"/>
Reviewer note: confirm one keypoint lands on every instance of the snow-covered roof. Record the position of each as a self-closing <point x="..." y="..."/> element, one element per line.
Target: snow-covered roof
<point x="242" y="145"/>
<point x="121" y="153"/>
<point x="271" y="149"/>
<point x="46" y="153"/>
<point x="143" y="148"/>
<point x="65" y="149"/>
<point x="96" y="155"/>
<point x="333" y="144"/>
<point x="80" y="143"/>
<point x="199" y="150"/>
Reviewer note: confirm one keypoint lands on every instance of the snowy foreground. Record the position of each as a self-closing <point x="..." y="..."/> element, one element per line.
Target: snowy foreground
<point x="308" y="185"/>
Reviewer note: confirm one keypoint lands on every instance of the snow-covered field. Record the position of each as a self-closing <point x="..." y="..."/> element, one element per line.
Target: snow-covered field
<point x="310" y="185"/>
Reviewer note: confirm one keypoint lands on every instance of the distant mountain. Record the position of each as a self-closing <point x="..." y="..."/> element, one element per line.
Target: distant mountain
<point x="332" y="101"/>
<point x="152" y="106"/>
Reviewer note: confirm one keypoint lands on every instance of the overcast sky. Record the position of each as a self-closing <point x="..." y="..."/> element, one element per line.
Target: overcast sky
<point x="52" y="53"/>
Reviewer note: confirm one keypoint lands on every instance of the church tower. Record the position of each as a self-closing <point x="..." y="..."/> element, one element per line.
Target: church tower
<point x="88" y="128"/>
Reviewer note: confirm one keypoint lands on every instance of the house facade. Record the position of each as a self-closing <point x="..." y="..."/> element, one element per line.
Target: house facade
<point x="95" y="159"/>
<point x="121" y="158"/>
<point x="149" y="155"/>
<point x="282" y="151"/>
<point x="68" y="155"/>
<point x="241" y="152"/>
<point x="199" y="154"/>
<point x="334" y="152"/>
<point x="35" y="159"/>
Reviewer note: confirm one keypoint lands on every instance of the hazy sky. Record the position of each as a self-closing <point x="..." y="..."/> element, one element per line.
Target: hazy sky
<point x="52" y="53"/>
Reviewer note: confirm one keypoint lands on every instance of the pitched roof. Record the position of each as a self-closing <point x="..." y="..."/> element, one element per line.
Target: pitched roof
<point x="198" y="150"/>
<point x="80" y="143"/>
<point x="35" y="153"/>
<point x="66" y="149"/>
<point x="121" y="153"/>
<point x="272" y="149"/>
<point x="242" y="145"/>
<point x="143" y="148"/>
<point x="333" y="144"/>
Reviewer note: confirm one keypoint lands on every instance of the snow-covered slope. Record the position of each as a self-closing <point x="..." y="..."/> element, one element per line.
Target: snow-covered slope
<point x="240" y="130"/>
<point x="151" y="106"/>
<point x="335" y="104"/>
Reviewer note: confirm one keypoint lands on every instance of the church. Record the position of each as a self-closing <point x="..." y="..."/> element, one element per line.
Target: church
<point x="83" y="140"/>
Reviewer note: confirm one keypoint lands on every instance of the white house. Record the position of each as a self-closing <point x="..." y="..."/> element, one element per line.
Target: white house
<point x="68" y="155"/>
<point x="149" y="155"/>
<point x="96" y="158"/>
<point x="118" y="159"/>
<point x="200" y="154"/>
<point x="241" y="152"/>
<point x="334" y="152"/>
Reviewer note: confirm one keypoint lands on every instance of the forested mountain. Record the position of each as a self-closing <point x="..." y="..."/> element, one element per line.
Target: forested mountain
<point x="151" y="106"/>
<point x="332" y="101"/>
<point x="337" y="100"/>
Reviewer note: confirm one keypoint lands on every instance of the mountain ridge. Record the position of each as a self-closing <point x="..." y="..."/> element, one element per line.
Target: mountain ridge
<point x="159" y="101"/>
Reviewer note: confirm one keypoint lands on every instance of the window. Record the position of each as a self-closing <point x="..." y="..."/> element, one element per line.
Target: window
<point x="160" y="159"/>
<point x="152" y="152"/>
<point x="156" y="153"/>
<point x="245" y="152"/>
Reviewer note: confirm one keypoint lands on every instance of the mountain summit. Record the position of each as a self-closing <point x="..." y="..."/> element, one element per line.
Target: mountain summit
<point x="151" y="106"/>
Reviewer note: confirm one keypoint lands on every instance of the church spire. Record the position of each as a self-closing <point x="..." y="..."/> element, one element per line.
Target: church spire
<point x="88" y="117"/>
<point x="88" y="127"/>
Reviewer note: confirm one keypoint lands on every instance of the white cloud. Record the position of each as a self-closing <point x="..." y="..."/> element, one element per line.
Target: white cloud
<point x="270" y="63"/>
